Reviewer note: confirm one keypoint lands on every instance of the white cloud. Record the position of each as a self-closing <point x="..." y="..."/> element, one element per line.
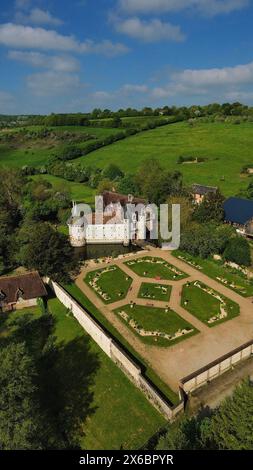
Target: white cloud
<point x="27" y="37"/>
<point x="40" y="60"/>
<point x="153" y="30"/>
<point x="242" y="96"/>
<point x="186" y="87"/>
<point x="37" y="16"/>
<point x="217" y="76"/>
<point x="125" y="91"/>
<point x="216" y="83"/>
<point x="53" y="83"/>
<point x="206" y="7"/>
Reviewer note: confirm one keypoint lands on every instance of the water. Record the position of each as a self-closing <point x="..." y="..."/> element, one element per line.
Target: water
<point x="101" y="251"/>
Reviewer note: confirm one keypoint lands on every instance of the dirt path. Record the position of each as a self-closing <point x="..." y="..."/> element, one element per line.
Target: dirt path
<point x="175" y="362"/>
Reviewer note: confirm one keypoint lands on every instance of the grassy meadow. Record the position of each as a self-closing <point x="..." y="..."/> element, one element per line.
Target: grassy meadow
<point x="79" y="192"/>
<point x="227" y="148"/>
<point x="36" y="152"/>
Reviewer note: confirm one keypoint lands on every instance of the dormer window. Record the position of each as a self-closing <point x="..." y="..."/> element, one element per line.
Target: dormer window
<point x="2" y="295"/>
<point x="19" y="294"/>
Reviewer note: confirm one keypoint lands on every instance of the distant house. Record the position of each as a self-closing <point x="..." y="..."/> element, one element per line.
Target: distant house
<point x="17" y="292"/>
<point x="239" y="213"/>
<point x="199" y="191"/>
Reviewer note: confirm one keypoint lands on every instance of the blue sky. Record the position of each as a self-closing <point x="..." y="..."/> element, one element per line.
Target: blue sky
<point x="71" y="56"/>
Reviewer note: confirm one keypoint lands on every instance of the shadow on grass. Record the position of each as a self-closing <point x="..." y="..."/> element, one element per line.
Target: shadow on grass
<point x="66" y="373"/>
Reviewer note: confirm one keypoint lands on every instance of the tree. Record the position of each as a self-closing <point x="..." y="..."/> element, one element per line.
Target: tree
<point x="238" y="251"/>
<point x="211" y="209"/>
<point x="112" y="172"/>
<point x="105" y="185"/>
<point x="48" y="251"/>
<point x="202" y="240"/>
<point x="155" y="183"/>
<point x="186" y="210"/>
<point x="19" y="415"/>
<point x="230" y="427"/>
<point x="127" y="185"/>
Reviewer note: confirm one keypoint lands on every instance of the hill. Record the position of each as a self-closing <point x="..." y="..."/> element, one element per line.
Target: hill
<point x="226" y="148"/>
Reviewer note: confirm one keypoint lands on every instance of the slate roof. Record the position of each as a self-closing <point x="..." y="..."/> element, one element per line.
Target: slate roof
<point x="29" y="286"/>
<point x="202" y="190"/>
<point x="238" y="211"/>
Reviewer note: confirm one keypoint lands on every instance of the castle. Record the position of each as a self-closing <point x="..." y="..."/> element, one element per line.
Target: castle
<point x="111" y="222"/>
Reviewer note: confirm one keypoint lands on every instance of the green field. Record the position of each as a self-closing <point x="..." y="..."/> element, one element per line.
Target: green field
<point x="36" y="152"/>
<point x="109" y="284"/>
<point x="226" y="146"/>
<point x="121" y="417"/>
<point x="79" y="192"/>
<point x="205" y="306"/>
<point x="153" y="319"/>
<point x="155" y="268"/>
<point x="152" y="291"/>
<point x="231" y="278"/>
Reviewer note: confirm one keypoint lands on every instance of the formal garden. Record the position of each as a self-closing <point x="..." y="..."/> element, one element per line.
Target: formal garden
<point x="155" y="268"/>
<point x="155" y="326"/>
<point x="110" y="283"/>
<point x="229" y="276"/>
<point x="207" y="305"/>
<point x="155" y="291"/>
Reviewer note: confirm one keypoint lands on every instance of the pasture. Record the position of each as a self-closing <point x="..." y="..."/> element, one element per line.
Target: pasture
<point x="79" y="192"/>
<point x="225" y="146"/>
<point x="24" y="149"/>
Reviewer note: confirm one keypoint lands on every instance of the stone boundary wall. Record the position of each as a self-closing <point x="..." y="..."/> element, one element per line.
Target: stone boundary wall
<point x="215" y="369"/>
<point x="116" y="354"/>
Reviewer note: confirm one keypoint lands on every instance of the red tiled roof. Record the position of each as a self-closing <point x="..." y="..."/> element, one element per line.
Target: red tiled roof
<point x="30" y="286"/>
<point x="113" y="197"/>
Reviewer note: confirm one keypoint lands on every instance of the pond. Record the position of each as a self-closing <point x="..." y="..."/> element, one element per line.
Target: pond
<point x="100" y="251"/>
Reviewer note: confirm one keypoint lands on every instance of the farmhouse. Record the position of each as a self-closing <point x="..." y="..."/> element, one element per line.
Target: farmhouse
<point x="239" y="212"/>
<point x="17" y="292"/>
<point x="199" y="192"/>
<point x="110" y="224"/>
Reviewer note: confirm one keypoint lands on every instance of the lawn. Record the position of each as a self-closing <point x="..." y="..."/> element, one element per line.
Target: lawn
<point x="147" y="371"/>
<point x="166" y="326"/>
<point x="205" y="306"/>
<point x="231" y="278"/>
<point x="122" y="417"/>
<point x="7" y="320"/>
<point x="226" y="147"/>
<point x="155" y="268"/>
<point x="152" y="291"/>
<point x="78" y="191"/>
<point x="110" y="284"/>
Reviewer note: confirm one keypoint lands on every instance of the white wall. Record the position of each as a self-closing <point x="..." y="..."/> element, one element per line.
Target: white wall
<point x="118" y="356"/>
<point x="212" y="371"/>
